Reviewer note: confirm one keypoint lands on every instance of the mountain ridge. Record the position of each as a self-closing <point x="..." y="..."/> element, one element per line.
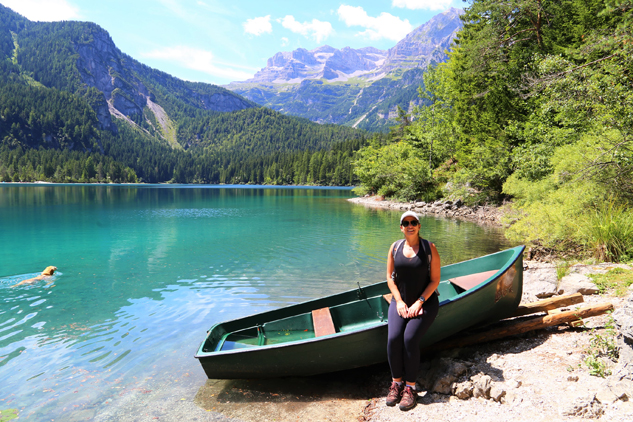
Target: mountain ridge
<point x="353" y="85"/>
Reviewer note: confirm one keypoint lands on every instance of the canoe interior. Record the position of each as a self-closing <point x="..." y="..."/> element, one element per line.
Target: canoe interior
<point x="361" y="309"/>
<point x="346" y="317"/>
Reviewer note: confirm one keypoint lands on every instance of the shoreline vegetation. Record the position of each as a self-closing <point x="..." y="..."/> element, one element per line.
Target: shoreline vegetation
<point x="490" y="215"/>
<point x="244" y="185"/>
<point x="530" y="115"/>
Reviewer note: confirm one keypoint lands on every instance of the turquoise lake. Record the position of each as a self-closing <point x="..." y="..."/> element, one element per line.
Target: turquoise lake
<point x="144" y="271"/>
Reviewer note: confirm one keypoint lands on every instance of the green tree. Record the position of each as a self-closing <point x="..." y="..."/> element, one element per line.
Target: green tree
<point x="395" y="170"/>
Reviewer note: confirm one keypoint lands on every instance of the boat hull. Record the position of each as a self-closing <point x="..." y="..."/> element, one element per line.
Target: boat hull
<point x="360" y="317"/>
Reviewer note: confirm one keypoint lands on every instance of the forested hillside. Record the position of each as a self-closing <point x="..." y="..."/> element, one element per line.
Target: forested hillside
<point x="75" y="108"/>
<point x="535" y="105"/>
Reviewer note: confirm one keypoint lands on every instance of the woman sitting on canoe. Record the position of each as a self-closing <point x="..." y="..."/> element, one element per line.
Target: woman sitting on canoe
<point x="412" y="280"/>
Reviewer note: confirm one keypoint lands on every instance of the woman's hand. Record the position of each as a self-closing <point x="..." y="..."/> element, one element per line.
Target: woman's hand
<point x="402" y="308"/>
<point x="415" y="309"/>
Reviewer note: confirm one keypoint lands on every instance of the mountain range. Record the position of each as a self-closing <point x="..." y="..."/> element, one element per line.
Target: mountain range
<point x="66" y="87"/>
<point x="354" y="87"/>
<point x="67" y="92"/>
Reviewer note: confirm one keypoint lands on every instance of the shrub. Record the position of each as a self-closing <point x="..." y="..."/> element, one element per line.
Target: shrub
<point x="608" y="232"/>
<point x="396" y="170"/>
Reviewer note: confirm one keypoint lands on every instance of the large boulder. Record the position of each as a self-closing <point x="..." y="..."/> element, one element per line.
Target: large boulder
<point x="577" y="283"/>
<point x="539" y="281"/>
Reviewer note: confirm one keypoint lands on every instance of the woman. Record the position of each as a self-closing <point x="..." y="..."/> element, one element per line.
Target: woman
<point x="413" y="281"/>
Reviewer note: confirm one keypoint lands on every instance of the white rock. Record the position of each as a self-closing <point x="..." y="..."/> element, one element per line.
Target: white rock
<point x="577" y="283"/>
<point x="497" y="392"/>
<point x="482" y="385"/>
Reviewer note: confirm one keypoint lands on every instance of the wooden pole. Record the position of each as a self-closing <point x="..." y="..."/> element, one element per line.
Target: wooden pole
<point x="546" y="305"/>
<point x="520" y="326"/>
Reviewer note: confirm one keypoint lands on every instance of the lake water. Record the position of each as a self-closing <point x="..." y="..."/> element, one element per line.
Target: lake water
<point x="144" y="271"/>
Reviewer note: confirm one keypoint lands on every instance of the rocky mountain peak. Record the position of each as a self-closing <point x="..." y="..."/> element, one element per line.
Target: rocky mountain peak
<point x="304" y="82"/>
<point x="426" y="43"/>
<point x="324" y="49"/>
<point x="122" y="80"/>
<point x="423" y="45"/>
<point x="323" y="62"/>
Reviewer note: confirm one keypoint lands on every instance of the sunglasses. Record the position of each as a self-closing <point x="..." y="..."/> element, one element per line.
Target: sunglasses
<point x="413" y="223"/>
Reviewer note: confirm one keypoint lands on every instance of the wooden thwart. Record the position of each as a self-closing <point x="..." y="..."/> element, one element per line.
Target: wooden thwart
<point x="471" y="280"/>
<point x="323" y="324"/>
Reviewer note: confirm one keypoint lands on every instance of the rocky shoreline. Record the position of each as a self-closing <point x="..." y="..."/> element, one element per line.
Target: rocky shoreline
<point x="485" y="214"/>
<point x="541" y="375"/>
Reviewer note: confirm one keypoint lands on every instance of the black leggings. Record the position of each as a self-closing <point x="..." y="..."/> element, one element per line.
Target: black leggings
<point x="404" y="335"/>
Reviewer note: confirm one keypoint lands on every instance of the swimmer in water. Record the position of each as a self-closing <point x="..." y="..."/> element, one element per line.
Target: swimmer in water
<point x="48" y="271"/>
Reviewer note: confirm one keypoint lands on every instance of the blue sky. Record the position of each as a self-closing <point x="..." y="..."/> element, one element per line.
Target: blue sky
<point x="222" y="41"/>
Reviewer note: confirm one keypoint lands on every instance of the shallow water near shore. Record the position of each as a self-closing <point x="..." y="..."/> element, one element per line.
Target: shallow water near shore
<point x="144" y="271"/>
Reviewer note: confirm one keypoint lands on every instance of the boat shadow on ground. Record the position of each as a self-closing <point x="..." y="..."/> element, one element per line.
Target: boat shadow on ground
<point x="345" y="395"/>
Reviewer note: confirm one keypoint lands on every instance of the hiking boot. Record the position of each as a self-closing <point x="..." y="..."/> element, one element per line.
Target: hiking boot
<point x="409" y="398"/>
<point x="395" y="394"/>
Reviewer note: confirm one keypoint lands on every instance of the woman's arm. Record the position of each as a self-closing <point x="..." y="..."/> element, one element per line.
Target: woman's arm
<point x="436" y="268"/>
<point x="402" y="308"/>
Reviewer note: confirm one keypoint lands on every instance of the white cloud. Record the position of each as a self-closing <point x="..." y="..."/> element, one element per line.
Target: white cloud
<point x="384" y="26"/>
<point x="200" y="60"/>
<point x="319" y="30"/>
<point x="284" y="41"/>
<point x="258" y="26"/>
<point x="43" y="10"/>
<point x="422" y="4"/>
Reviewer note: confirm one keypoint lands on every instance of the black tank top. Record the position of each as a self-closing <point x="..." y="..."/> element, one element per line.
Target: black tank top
<point x="412" y="274"/>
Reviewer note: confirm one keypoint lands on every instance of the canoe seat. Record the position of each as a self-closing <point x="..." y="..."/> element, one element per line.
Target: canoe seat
<point x="469" y="281"/>
<point x="323" y="324"/>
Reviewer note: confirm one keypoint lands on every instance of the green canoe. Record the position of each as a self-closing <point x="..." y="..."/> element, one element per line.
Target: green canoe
<point x="349" y="330"/>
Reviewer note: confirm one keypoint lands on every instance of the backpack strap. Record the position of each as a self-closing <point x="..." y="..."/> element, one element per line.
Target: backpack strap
<point x="427" y="250"/>
<point x="396" y="246"/>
